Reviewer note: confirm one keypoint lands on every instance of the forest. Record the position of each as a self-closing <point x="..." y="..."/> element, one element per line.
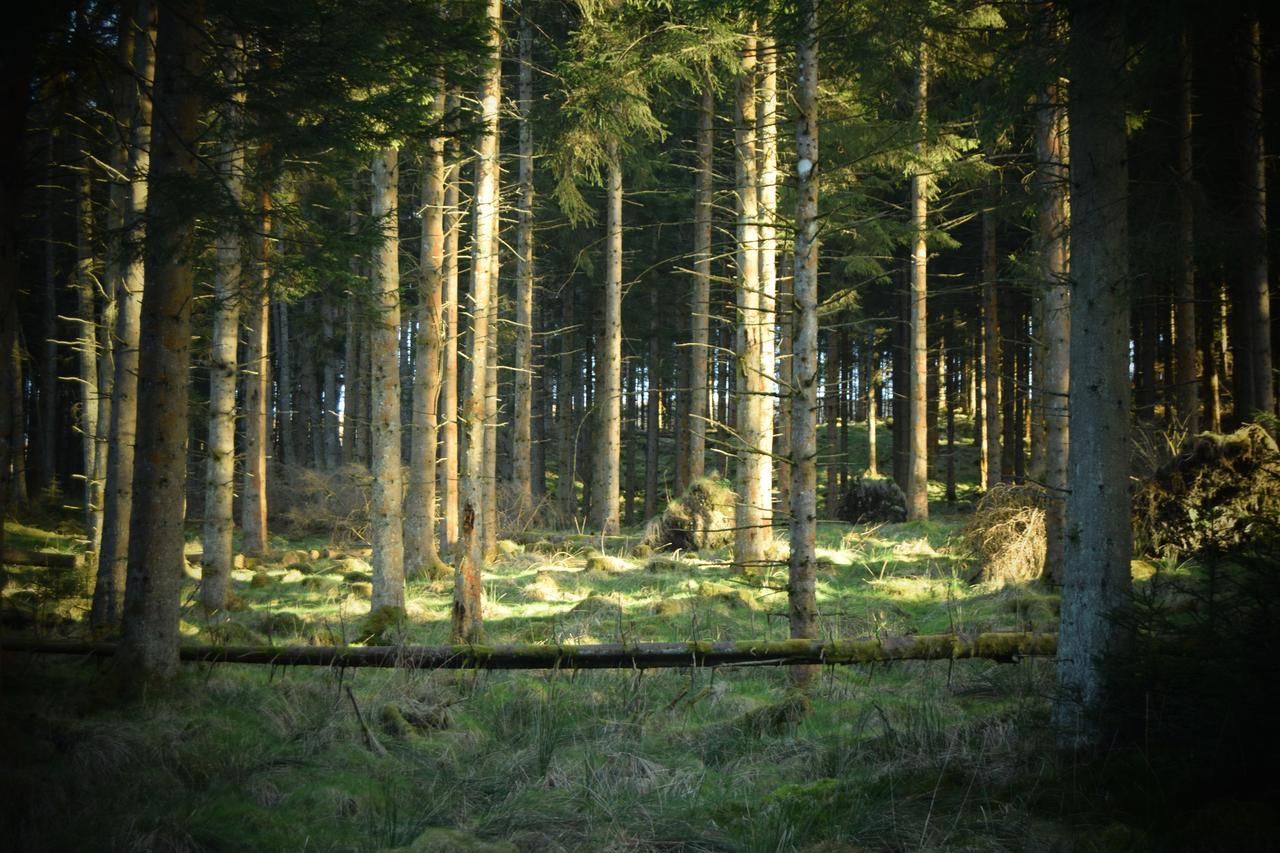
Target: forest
<point x="639" y="425"/>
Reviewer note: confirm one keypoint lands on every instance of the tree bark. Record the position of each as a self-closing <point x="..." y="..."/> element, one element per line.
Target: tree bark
<point x="566" y="488"/>
<point x="284" y="383"/>
<point x="87" y="353"/>
<point x="651" y="418"/>
<point x="754" y="466"/>
<point x="522" y="418"/>
<point x="1055" y="333"/>
<point x="154" y="577"/>
<point x="991" y="349"/>
<point x="767" y="136"/>
<point x="386" y="500"/>
<point x="604" y="497"/>
<point x="918" y="344"/>
<point x="1097" y="576"/>
<point x="449" y="396"/>
<point x="220" y="472"/>
<point x="421" y="554"/>
<point x="466" y="624"/>
<point x="1186" y="378"/>
<point x="802" y="569"/>
<point x="113" y="553"/>
<point x="699" y="350"/>
<point x="257" y="433"/>
<point x="1255" y="228"/>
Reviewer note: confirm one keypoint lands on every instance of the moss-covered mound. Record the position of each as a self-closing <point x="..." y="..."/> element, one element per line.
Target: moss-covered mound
<point x="1211" y="496"/>
<point x="701" y="518"/>
<point x="873" y="499"/>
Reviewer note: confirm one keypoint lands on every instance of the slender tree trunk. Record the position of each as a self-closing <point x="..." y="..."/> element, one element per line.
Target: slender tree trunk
<point x="351" y="379"/>
<point x="87" y="351"/>
<point x="113" y="554"/>
<point x="449" y="398"/>
<point x="1055" y="334"/>
<point x="566" y="490"/>
<point x="918" y="343"/>
<point x="284" y="383"/>
<point x="786" y="343"/>
<point x="873" y="385"/>
<point x="48" y="411"/>
<point x="421" y="555"/>
<point x="220" y="471"/>
<point x="991" y="349"/>
<point x="767" y="134"/>
<point x="257" y="433"/>
<point x="1185" y="368"/>
<point x="1010" y="425"/>
<point x="467" y="593"/>
<point x="489" y="529"/>
<point x="751" y="527"/>
<point x="332" y="443"/>
<point x="651" y="432"/>
<point x="155" y="576"/>
<point x="386" y="509"/>
<point x="699" y="350"/>
<point x="521" y="464"/>
<point x="604" y="498"/>
<point x="1096" y="579"/>
<point x="1255" y="228"/>
<point x="801" y="584"/>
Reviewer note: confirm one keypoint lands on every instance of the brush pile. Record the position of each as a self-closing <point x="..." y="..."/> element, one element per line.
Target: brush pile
<point x="1211" y="497"/>
<point x="1007" y="535"/>
<point x="871" y="500"/>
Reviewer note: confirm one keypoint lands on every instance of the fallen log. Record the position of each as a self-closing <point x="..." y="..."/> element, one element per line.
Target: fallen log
<point x="14" y="556"/>
<point x="1001" y="647"/>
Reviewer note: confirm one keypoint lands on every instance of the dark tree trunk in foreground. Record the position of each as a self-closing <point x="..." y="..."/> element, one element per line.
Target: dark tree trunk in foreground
<point x="1255" y="228"/>
<point x="1096" y="568"/>
<point x="155" y="571"/>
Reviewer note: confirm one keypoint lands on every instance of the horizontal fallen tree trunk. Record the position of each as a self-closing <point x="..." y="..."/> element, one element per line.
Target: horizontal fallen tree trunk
<point x="1002" y="647"/>
<point x="26" y="557"/>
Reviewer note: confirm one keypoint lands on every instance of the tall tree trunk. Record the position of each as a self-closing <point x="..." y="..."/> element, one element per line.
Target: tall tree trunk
<point x="802" y="569"/>
<point x="489" y="529"/>
<point x="257" y="431"/>
<point x="1096" y="579"/>
<point x="651" y="417"/>
<point x="782" y="455"/>
<point x="154" y="581"/>
<point x="767" y="133"/>
<point x="873" y="386"/>
<point x="449" y="396"/>
<point x="48" y="419"/>
<point x="991" y="348"/>
<point x="1255" y="228"/>
<point x="384" y="336"/>
<point x="113" y="554"/>
<point x="467" y="594"/>
<point x="332" y="443"/>
<point x="918" y="344"/>
<point x="699" y="351"/>
<point x="351" y="378"/>
<point x="522" y="420"/>
<point x="220" y="471"/>
<point x="1187" y="395"/>
<point x="284" y="383"/>
<point x="604" y="498"/>
<point x="1010" y="425"/>
<point x="1055" y="333"/>
<point x="87" y="351"/>
<point x="566" y="488"/>
<point x="751" y="519"/>
<point x="421" y="555"/>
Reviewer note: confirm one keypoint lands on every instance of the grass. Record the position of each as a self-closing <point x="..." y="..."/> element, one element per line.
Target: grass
<point x="906" y="756"/>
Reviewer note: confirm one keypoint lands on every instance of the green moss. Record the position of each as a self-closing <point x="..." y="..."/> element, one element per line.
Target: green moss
<point x="260" y="579"/>
<point x="606" y="564"/>
<point x="382" y="627"/>
<point x="443" y="840"/>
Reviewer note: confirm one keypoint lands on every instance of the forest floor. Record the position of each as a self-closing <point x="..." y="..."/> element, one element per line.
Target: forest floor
<point x="932" y="756"/>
